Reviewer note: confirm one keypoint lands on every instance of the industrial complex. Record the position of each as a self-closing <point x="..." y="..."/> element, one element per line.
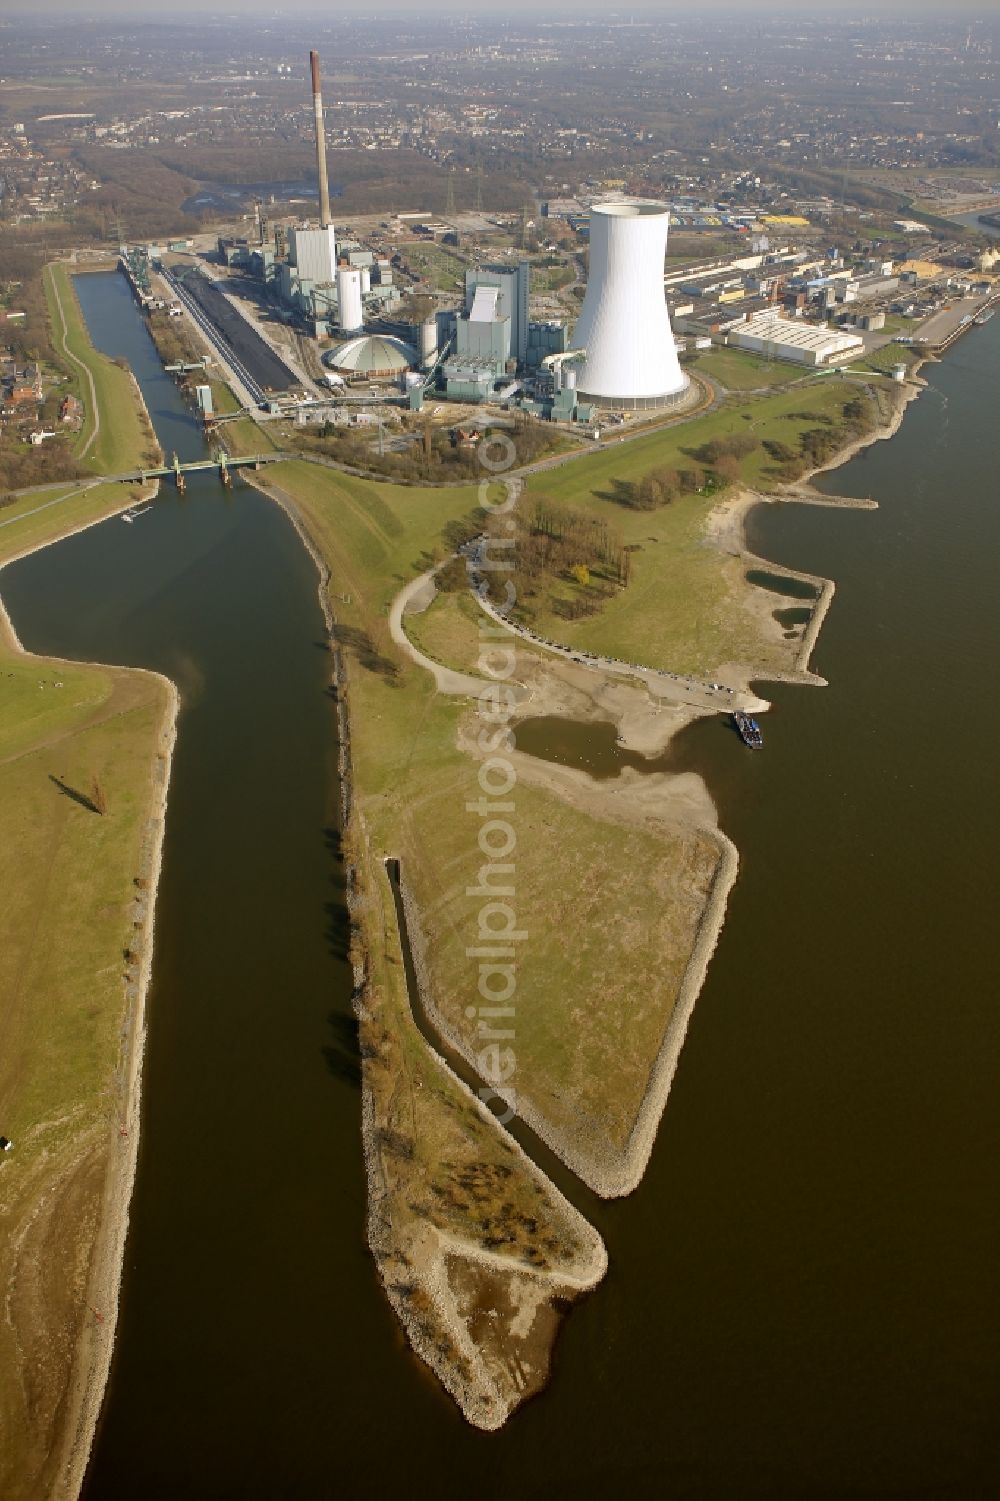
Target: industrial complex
<point x="478" y="343"/>
<point x="621" y="353"/>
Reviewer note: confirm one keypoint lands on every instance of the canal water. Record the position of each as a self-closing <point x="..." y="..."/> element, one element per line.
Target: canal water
<point x="803" y="1296"/>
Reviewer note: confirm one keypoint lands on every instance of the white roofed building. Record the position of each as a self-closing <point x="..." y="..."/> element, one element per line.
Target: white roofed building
<point x="780" y="338"/>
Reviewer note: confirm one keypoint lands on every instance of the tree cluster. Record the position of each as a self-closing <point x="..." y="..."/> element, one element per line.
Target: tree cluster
<point x="818" y="445"/>
<point x="658" y="487"/>
<point x="734" y="446"/>
<point x="555" y="546"/>
<point x="433" y="456"/>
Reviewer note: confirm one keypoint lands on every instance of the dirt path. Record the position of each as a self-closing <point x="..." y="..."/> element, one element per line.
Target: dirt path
<point x="445" y="678"/>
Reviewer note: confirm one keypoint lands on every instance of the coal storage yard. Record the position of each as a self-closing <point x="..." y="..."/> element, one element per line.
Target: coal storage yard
<point x="257" y="358"/>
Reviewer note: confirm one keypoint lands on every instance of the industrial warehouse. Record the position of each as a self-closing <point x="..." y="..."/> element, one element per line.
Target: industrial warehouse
<point x="790" y="339"/>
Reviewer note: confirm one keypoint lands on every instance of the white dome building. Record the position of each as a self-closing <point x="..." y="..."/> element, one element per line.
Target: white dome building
<point x="371" y="356"/>
<point x="629" y="356"/>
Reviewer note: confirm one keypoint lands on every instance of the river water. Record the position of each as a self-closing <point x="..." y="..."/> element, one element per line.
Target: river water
<point x="803" y="1297"/>
<point x="971" y="221"/>
<point x="213" y="197"/>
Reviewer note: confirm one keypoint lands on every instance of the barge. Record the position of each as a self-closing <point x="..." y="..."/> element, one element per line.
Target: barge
<point x="749" y="730"/>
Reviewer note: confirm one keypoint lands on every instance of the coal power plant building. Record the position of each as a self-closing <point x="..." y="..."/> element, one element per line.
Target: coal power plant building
<point x="627" y="346"/>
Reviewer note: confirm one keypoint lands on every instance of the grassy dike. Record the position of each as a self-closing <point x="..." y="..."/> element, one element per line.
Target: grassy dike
<point x="33" y="520"/>
<point x="116" y="430"/>
<point x="75" y="942"/>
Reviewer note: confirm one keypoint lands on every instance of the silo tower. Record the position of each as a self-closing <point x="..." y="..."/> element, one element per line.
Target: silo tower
<point x="624" y="328"/>
<point x="350" y="309"/>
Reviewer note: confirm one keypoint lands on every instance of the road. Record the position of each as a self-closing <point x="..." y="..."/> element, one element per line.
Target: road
<point x="941" y="326"/>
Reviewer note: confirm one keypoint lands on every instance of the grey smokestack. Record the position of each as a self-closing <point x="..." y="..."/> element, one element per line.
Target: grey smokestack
<point x="324" y="185"/>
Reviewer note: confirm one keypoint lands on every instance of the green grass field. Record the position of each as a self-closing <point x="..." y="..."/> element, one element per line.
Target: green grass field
<point x="35" y="519"/>
<point x="67" y="873"/>
<point x="445" y="271"/>
<point x="610" y="913"/>
<point x="684" y="608"/>
<point x="123" y="433"/>
<point x="884" y="359"/>
<point x="62" y="865"/>
<point x="739" y="371"/>
<point x="245" y="436"/>
<point x="448" y="630"/>
<point x="223" y="399"/>
<point x="584" y="963"/>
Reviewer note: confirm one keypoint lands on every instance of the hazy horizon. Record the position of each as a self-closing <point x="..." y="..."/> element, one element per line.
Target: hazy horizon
<point x="410" y="9"/>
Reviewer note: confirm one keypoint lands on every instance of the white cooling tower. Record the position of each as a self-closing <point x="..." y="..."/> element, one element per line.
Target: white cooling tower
<point x="624" y="326"/>
<point x="350" y="313"/>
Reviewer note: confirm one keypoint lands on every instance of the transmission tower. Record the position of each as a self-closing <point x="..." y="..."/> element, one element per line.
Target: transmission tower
<point x="449" y="207"/>
<point x="479" y="188"/>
